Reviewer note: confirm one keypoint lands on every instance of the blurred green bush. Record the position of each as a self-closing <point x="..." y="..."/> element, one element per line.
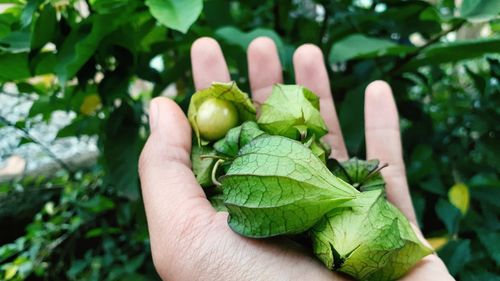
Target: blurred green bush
<point x="88" y="56"/>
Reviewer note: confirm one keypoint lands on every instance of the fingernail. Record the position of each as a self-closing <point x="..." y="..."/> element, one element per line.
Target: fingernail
<point x="153" y="115"/>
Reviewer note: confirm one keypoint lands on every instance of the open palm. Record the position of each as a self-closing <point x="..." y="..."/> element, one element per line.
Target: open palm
<point x="190" y="240"/>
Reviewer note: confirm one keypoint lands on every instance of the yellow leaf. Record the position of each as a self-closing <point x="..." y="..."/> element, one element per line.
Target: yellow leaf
<point x="438" y="242"/>
<point x="10" y="272"/>
<point x="90" y="104"/>
<point x="46" y="80"/>
<point x="459" y="197"/>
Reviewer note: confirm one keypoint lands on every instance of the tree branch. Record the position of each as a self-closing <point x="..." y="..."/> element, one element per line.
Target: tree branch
<point x="400" y="64"/>
<point x="47" y="150"/>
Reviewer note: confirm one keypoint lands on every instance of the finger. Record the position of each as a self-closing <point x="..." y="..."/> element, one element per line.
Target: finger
<point x="172" y="197"/>
<point x="310" y="71"/>
<point x="430" y="268"/>
<point x="383" y="142"/>
<point x="264" y="68"/>
<point x="208" y="63"/>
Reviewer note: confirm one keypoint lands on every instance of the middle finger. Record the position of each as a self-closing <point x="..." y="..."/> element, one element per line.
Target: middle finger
<point x="310" y="71"/>
<point x="264" y="68"/>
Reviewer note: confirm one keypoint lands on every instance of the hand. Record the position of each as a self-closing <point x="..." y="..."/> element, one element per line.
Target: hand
<point x="190" y="240"/>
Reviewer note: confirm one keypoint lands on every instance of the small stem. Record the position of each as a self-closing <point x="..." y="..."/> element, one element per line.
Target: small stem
<point x="374" y="172"/>
<point x="218" y="157"/>
<point x="214" y="172"/>
<point x="20" y="95"/>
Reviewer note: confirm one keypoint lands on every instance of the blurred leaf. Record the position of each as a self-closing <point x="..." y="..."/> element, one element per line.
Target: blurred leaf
<point x="16" y="42"/>
<point x="82" y="42"/>
<point x="438" y="242"/>
<point x="480" y="10"/>
<point x="98" y="204"/>
<point x="25" y="140"/>
<point x="478" y="275"/>
<point x="487" y="194"/>
<point x="121" y="151"/>
<point x="91" y="104"/>
<point x="449" y="215"/>
<point x="108" y="6"/>
<point x="454" y="51"/>
<point x="76" y="267"/>
<point x="45" y="106"/>
<point x="358" y="46"/>
<point x="349" y="113"/>
<point x="178" y="15"/>
<point x="455" y="255"/>
<point x="434" y="185"/>
<point x="45" y="27"/>
<point x="459" y="197"/>
<point x="99" y="231"/>
<point x="82" y="125"/>
<point x="490" y="241"/>
<point x="479" y="81"/>
<point x="28" y="11"/>
<point x="14" y="67"/>
<point x="233" y="36"/>
<point x="495" y="26"/>
<point x="11" y="271"/>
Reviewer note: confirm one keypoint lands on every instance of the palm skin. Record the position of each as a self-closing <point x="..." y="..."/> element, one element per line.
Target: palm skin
<point x="190" y="240"/>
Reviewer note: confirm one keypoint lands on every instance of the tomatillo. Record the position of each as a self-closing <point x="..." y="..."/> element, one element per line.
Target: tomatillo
<point x="215" y="117"/>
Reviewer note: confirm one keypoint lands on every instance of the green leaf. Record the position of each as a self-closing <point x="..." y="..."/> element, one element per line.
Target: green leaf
<point x="45" y="27"/>
<point x="449" y="215"/>
<point x="217" y="202"/>
<point x="454" y="51"/>
<point x="82" y="42"/>
<point x="234" y="36"/>
<point x="369" y="239"/>
<point x="363" y="175"/>
<point x="278" y="186"/>
<point x="455" y="255"/>
<point x="490" y="242"/>
<point x="108" y="6"/>
<point x="480" y="10"/>
<point x="359" y="46"/>
<point x="80" y="126"/>
<point x="225" y="91"/>
<point x="10" y="271"/>
<point x="202" y="168"/>
<point x="433" y="185"/>
<point x="98" y="204"/>
<point x="288" y="108"/>
<point x="178" y="15"/>
<point x="121" y="145"/>
<point x="237" y="137"/>
<point x="16" y="42"/>
<point x="14" y="67"/>
<point x="28" y="11"/>
<point x="349" y="112"/>
<point x="319" y="148"/>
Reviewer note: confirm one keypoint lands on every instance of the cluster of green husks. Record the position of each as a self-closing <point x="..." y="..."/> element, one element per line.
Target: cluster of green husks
<point x="272" y="174"/>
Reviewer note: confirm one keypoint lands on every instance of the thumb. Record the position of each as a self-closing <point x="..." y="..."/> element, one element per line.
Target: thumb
<point x="172" y="196"/>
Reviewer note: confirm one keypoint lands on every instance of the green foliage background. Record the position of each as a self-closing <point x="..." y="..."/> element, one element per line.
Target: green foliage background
<point x="90" y="224"/>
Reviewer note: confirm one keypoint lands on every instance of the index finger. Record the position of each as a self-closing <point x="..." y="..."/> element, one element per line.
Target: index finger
<point x="174" y="201"/>
<point x="208" y="63"/>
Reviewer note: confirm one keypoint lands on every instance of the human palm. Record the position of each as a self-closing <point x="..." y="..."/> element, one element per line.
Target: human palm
<point x="190" y="240"/>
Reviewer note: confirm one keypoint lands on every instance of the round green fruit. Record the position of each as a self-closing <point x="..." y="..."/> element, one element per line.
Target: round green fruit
<point x="215" y="117"/>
